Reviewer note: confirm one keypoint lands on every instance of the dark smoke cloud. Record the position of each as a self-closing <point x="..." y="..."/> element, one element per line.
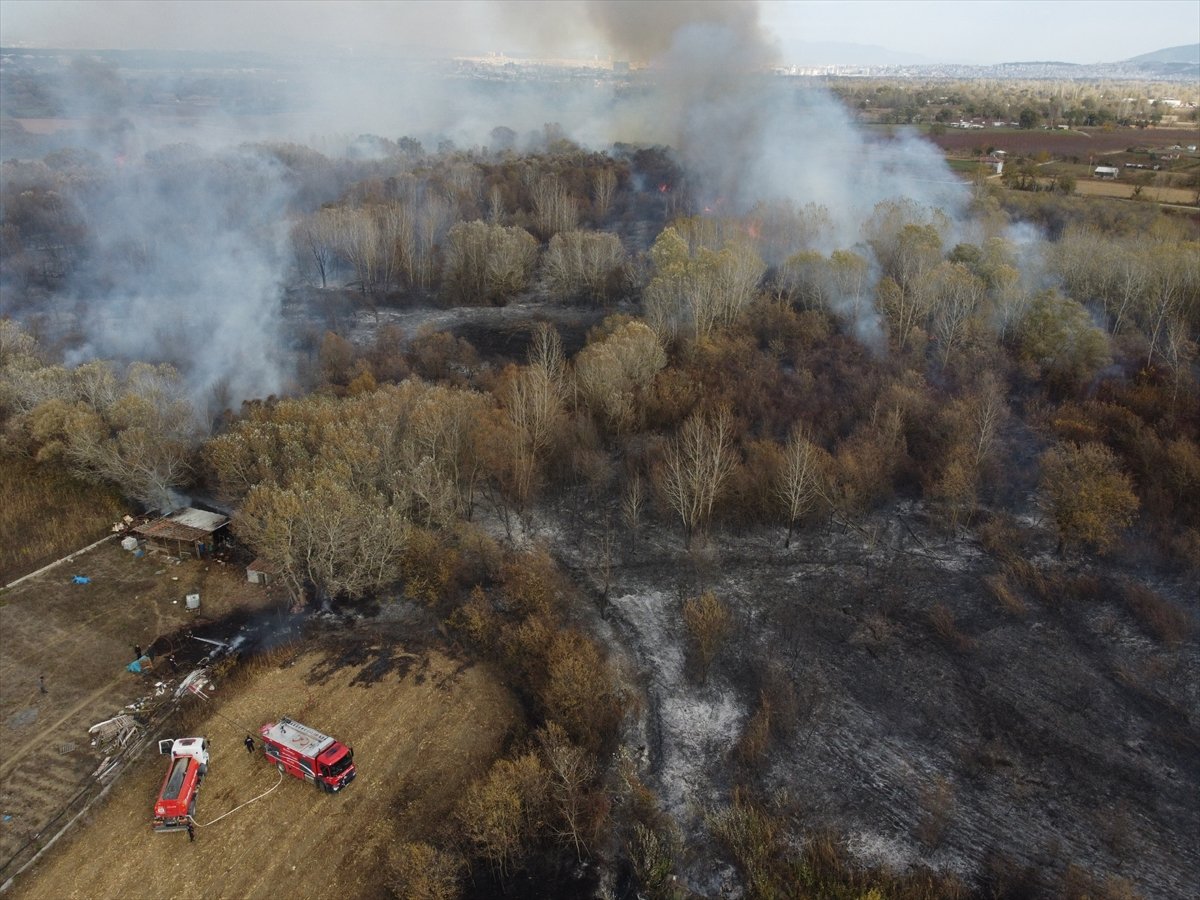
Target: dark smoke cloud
<point x="709" y="61"/>
<point x="644" y="32"/>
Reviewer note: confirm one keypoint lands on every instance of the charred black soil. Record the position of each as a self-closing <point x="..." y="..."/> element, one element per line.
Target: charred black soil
<point x="910" y="712"/>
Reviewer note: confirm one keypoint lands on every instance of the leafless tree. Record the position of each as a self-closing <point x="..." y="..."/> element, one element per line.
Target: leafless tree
<point x="697" y="464"/>
<point x="613" y="374"/>
<point x="554" y="208"/>
<point x="604" y="186"/>
<point x="958" y="296"/>
<point x="571" y="769"/>
<point x="487" y="263"/>
<point x="584" y="263"/>
<point x="801" y="478"/>
<point x="694" y="293"/>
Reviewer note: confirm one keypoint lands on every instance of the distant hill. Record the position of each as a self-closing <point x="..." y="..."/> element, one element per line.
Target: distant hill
<point x="1172" y="62"/>
<point x="1188" y="54"/>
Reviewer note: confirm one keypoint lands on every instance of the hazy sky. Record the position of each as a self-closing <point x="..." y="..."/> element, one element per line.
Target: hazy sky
<point x="981" y="31"/>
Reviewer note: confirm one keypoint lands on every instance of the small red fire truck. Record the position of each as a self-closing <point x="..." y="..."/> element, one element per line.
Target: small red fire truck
<point x="306" y="753"/>
<point x="176" y="801"/>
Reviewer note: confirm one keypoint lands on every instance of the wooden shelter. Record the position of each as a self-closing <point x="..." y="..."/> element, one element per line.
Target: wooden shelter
<point x="261" y="572"/>
<point x="185" y="532"/>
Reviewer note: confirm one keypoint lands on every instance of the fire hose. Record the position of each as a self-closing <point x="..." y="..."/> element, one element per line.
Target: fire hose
<point x="236" y="808"/>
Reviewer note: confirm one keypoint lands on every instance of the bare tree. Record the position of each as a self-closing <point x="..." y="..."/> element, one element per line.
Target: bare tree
<point x="614" y="374"/>
<point x="554" y="208"/>
<point x="144" y="441"/>
<point x="694" y="292"/>
<point x="958" y="296"/>
<point x="487" y="263"/>
<point x="434" y="218"/>
<point x="324" y="534"/>
<point x="357" y="242"/>
<point x="535" y="407"/>
<point x="496" y="211"/>
<point x="571" y="769"/>
<point x="633" y="502"/>
<point x="584" y="263"/>
<point x="801" y="478"/>
<point x="604" y="186"/>
<point x="696" y="466"/>
<point x="316" y="236"/>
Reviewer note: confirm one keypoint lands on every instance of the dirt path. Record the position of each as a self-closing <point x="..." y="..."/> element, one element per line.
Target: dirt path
<point x="14" y="757"/>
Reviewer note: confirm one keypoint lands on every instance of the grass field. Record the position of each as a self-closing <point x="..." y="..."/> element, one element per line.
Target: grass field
<point x="419" y="734"/>
<point x="48" y="514"/>
<point x="1124" y="190"/>
<point x="80" y="637"/>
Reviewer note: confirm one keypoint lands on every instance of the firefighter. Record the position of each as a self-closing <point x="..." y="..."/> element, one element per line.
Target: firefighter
<point x="191" y="831"/>
<point x="249" y="742"/>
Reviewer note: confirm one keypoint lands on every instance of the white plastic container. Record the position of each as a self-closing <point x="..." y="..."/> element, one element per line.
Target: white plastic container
<point x="193" y="601"/>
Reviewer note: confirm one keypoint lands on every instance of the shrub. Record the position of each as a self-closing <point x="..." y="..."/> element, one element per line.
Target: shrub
<point x="708" y="622"/>
<point x="1157" y="615"/>
<point x="427" y="565"/>
<point x="421" y="872"/>
<point x="1088" y="495"/>
<point x="756" y="736"/>
<point x="941" y="618"/>
<point x="581" y="692"/>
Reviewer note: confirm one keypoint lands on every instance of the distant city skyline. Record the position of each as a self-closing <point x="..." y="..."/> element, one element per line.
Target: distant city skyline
<point x="806" y="32"/>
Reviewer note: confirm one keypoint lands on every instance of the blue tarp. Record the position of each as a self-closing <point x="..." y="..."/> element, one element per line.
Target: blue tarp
<point x="136" y="666"/>
<point x="82" y="579"/>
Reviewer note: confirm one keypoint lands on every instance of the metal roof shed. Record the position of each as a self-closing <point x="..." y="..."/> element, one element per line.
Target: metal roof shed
<point x="185" y="532"/>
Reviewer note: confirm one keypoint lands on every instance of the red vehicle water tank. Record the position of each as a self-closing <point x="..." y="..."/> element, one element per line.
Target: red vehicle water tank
<point x="176" y="801"/>
<point x="306" y="753"/>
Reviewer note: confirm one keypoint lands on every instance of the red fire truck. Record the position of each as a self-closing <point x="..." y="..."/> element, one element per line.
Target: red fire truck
<point x="176" y="801"/>
<point x="306" y="753"/>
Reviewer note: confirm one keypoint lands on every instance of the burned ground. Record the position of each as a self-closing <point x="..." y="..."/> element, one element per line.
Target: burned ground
<point x="910" y="711"/>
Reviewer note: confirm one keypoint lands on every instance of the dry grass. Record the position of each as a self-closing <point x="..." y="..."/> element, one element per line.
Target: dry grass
<point x="1124" y="191"/>
<point x="47" y="514"/>
<point x="708" y="622"/>
<point x="937" y="809"/>
<point x="419" y="738"/>
<point x="945" y="626"/>
<point x="1157" y="615"/>
<point x="778" y="858"/>
<point x="1005" y="595"/>
<point x="756" y="737"/>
